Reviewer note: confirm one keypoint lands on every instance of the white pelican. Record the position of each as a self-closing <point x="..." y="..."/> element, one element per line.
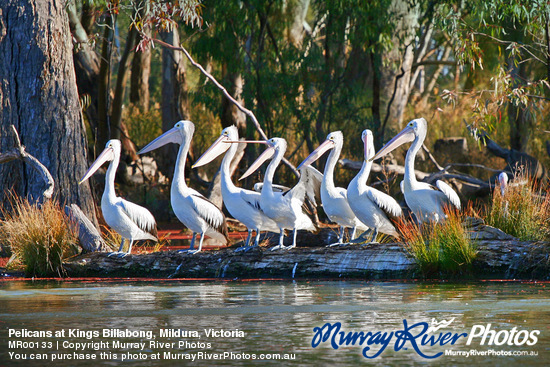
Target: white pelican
<point x="372" y="207"/>
<point x="503" y="182"/>
<point x="286" y="209"/>
<point x="130" y="220"/>
<point x="426" y="201"/>
<point x="243" y="205"/>
<point x="194" y="210"/>
<point x="334" y="199"/>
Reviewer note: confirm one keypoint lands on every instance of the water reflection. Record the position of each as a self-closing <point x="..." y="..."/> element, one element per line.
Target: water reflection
<point x="276" y="316"/>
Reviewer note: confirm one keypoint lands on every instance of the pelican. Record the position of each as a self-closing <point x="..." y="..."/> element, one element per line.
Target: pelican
<point x="243" y="205"/>
<point x="427" y="202"/>
<point x="334" y="199"/>
<point x="194" y="210"/>
<point x="372" y="207"/>
<point x="286" y="209"/>
<point x="503" y="182"/>
<point x="130" y="220"/>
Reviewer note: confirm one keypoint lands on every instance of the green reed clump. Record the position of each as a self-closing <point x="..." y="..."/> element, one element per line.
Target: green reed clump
<point x="523" y="211"/>
<point x="39" y="237"/>
<point x="440" y="248"/>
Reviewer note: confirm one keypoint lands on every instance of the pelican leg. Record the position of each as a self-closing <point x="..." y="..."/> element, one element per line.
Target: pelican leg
<point x="257" y="242"/>
<point x="200" y="245"/>
<point x="340" y="238"/>
<point x="119" y="252"/>
<point x="192" y="244"/>
<point x="129" y="249"/>
<point x="245" y="247"/>
<point x="121" y="246"/>
<point x="373" y="239"/>
<point x="294" y="233"/>
<point x="281" y="238"/>
<point x="360" y="239"/>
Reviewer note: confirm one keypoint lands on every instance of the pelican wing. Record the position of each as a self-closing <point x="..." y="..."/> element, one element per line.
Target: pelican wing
<point x="308" y="186"/>
<point x="211" y="214"/>
<point x="140" y="216"/>
<point x="276" y="188"/>
<point x="252" y="198"/>
<point x="385" y="202"/>
<point x="449" y="193"/>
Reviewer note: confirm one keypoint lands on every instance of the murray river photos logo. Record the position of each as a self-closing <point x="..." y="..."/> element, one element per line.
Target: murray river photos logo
<point x="419" y="337"/>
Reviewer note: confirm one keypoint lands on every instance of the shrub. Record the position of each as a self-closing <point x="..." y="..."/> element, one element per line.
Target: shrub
<point x="523" y="211"/>
<point x="39" y="236"/>
<point x="440" y="248"/>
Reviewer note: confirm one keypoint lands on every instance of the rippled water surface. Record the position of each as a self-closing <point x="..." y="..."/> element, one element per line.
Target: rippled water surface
<point x="275" y="316"/>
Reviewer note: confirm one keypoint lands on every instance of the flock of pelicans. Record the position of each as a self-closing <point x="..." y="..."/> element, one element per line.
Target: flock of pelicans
<point x="360" y="207"/>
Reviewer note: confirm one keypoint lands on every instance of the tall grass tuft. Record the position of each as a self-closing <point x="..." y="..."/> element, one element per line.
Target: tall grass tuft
<point x="39" y="236"/>
<point x="523" y="211"/>
<point x="440" y="248"/>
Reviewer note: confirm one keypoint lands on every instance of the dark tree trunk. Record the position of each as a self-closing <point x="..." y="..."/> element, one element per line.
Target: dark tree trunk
<point x="86" y="63"/>
<point x="174" y="98"/>
<point x="38" y="95"/>
<point x="395" y="81"/>
<point x="141" y="69"/>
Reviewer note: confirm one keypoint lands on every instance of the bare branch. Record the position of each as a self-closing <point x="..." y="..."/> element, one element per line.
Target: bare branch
<point x="18" y="152"/>
<point x="226" y="94"/>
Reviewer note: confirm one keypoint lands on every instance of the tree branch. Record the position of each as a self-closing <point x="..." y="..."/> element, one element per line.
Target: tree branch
<point x="226" y="94"/>
<point x="18" y="152"/>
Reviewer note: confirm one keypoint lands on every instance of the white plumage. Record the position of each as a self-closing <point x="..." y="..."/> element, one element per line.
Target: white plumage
<point x="194" y="210"/>
<point x="130" y="220"/>
<point x="242" y="204"/>
<point x="286" y="209"/>
<point x="426" y="201"/>
<point x="372" y="207"/>
<point x="334" y="199"/>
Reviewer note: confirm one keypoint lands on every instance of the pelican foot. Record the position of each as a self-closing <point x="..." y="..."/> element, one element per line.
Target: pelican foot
<point x="119" y="254"/>
<point x="289" y="247"/>
<point x="244" y="248"/>
<point x="336" y="244"/>
<point x="278" y="247"/>
<point x="192" y="252"/>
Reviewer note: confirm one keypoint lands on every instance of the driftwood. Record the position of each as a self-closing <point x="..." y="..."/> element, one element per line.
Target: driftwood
<point x="18" y="152"/>
<point x="515" y="160"/>
<point x="88" y="235"/>
<point x="499" y="256"/>
<point x="475" y="185"/>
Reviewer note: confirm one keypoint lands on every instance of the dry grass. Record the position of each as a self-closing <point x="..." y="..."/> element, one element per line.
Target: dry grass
<point x="440" y="248"/>
<point x="39" y="237"/>
<point x="523" y="211"/>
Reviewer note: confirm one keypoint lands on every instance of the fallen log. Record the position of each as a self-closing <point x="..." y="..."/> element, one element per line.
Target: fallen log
<point x="499" y="256"/>
<point x="89" y="237"/>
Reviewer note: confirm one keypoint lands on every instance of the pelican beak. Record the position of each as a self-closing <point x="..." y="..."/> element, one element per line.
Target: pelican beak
<point x="217" y="148"/>
<point x="171" y="136"/>
<point x="317" y="153"/>
<point x="268" y="153"/>
<point x="108" y="154"/>
<point x="405" y="136"/>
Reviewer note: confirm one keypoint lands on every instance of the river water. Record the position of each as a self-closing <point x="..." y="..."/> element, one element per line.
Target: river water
<point x="268" y="319"/>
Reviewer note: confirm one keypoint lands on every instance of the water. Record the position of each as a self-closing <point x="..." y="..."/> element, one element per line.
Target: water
<point x="275" y="316"/>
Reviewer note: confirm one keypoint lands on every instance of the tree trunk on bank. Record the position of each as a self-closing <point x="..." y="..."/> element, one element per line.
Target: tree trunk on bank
<point x="141" y="70"/>
<point x="38" y="95"/>
<point x="174" y="98"/>
<point x="395" y="79"/>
